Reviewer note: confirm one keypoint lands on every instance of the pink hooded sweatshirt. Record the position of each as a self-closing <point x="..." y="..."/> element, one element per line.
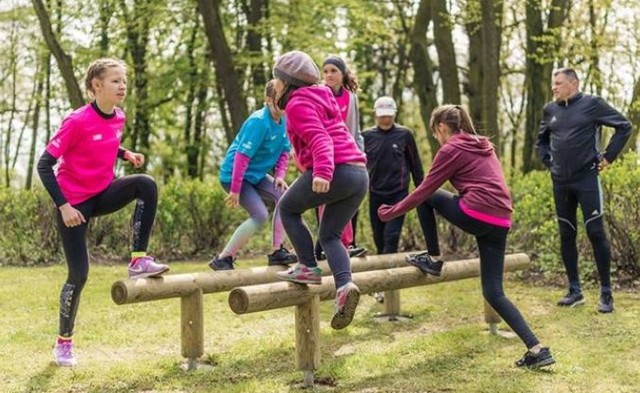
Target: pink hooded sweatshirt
<point x="317" y="133"/>
<point x="469" y="162"/>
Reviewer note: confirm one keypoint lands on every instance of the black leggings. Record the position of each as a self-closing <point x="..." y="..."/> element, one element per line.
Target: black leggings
<point x="492" y="241"/>
<point x="74" y="239"/>
<point x="586" y="192"/>
<point x="386" y="235"/>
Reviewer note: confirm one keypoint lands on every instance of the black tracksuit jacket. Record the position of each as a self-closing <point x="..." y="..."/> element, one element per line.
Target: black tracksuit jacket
<point x="569" y="135"/>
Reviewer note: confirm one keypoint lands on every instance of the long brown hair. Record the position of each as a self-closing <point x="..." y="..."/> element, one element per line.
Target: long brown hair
<point x="454" y="116"/>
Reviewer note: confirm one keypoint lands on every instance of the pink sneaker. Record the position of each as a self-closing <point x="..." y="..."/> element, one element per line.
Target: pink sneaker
<point x="347" y="297"/>
<point x="302" y="274"/>
<point x="146" y="266"/>
<point x="63" y="354"/>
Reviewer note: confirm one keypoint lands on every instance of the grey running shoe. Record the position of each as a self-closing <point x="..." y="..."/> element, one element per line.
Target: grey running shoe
<point x="573" y="298"/>
<point x="282" y="257"/>
<point x="605" y="305"/>
<point x="225" y="263"/>
<point x="425" y="263"/>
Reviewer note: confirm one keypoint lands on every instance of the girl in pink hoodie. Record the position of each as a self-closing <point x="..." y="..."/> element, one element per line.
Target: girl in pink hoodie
<point x="334" y="175"/>
<point x="482" y="208"/>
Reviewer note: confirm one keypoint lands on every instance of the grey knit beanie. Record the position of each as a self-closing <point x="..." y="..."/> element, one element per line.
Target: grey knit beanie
<point x="296" y="68"/>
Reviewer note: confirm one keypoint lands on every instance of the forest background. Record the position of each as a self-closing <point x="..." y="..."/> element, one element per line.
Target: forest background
<point x="198" y="68"/>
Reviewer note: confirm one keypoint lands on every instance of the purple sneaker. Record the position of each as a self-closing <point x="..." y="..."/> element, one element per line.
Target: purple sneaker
<point x="302" y="274"/>
<point x="347" y="297"/>
<point x="63" y="354"/>
<point x="146" y="266"/>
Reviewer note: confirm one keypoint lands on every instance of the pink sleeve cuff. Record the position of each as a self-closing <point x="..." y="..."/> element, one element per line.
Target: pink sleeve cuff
<point x="240" y="165"/>
<point x="281" y="165"/>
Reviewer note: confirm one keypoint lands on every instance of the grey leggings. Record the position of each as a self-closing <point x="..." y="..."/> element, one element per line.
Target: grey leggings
<point x="348" y="188"/>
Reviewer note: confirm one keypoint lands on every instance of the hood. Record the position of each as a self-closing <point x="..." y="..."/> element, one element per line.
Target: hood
<point x="471" y="143"/>
<point x="317" y="95"/>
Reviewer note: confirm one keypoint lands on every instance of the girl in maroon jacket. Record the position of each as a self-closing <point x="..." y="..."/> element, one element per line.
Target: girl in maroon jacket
<point x="334" y="175"/>
<point x="482" y="208"/>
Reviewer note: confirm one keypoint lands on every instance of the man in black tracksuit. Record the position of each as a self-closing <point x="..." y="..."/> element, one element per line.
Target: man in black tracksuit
<point x="392" y="158"/>
<point x="568" y="144"/>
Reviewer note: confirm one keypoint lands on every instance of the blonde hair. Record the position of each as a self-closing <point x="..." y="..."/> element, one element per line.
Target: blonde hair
<point x="454" y="116"/>
<point x="97" y="68"/>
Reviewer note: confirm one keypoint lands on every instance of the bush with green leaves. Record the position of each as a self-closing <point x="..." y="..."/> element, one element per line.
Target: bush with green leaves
<point x="194" y="222"/>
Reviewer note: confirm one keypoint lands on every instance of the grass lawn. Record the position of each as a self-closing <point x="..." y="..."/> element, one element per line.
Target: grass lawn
<point x="444" y="348"/>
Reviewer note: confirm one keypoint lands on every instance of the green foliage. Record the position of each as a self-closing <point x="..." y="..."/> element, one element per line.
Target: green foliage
<point x="193" y="221"/>
<point x="28" y="235"/>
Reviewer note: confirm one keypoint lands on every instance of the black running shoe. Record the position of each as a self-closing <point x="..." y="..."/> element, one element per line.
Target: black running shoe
<point x="282" y="257"/>
<point x="425" y="263"/>
<point x="605" y="305"/>
<point x="573" y="298"/>
<point x="540" y="359"/>
<point x="356" y="252"/>
<point x="225" y="263"/>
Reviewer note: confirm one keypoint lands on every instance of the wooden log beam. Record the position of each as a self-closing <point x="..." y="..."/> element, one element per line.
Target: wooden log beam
<point x="179" y="285"/>
<point x="254" y="298"/>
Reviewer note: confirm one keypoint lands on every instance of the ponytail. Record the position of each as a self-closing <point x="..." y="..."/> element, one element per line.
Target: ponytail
<point x="455" y="117"/>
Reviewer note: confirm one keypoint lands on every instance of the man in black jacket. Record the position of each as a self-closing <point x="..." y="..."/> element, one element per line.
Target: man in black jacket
<point x="392" y="161"/>
<point x="568" y="144"/>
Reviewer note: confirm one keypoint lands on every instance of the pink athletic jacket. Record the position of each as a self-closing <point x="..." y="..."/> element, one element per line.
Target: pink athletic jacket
<point x="317" y="133"/>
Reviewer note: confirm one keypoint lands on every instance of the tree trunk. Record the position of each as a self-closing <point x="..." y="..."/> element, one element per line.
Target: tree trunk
<point x="595" y="74"/>
<point x="104" y="19"/>
<point x="447" y="65"/>
<point x="542" y="49"/>
<point x="491" y="37"/>
<point x="473" y="84"/>
<point x="199" y="123"/>
<point x="36" y="119"/>
<point x="65" y="63"/>
<point x="137" y="43"/>
<point x="634" y="118"/>
<point x="13" y="65"/>
<point x="255" y="13"/>
<point x="226" y="75"/>
<point x="191" y="151"/>
<point x="423" y="69"/>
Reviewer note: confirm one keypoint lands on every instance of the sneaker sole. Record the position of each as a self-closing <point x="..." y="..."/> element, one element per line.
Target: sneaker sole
<point x="601" y="311"/>
<point x="217" y="269"/>
<point x="343" y="319"/>
<point x="542" y="363"/>
<point x="360" y="254"/>
<point x="63" y="364"/>
<point x="423" y="268"/>
<point x="308" y="282"/>
<point x="574" y="304"/>
<point x="149" y="274"/>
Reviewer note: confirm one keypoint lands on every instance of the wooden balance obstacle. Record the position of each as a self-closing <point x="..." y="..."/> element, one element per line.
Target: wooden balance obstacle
<point x="306" y="299"/>
<point x="258" y="289"/>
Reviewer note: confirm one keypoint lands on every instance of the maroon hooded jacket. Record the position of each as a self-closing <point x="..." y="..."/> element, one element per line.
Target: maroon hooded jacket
<point x="469" y="162"/>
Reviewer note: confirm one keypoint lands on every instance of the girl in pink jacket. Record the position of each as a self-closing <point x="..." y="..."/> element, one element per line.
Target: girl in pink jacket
<point x="334" y="175"/>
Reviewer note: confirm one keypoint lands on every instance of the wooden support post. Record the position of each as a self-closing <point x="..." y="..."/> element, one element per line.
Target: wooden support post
<point x="392" y="304"/>
<point x="308" y="339"/>
<point x="192" y="328"/>
<point x="492" y="318"/>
